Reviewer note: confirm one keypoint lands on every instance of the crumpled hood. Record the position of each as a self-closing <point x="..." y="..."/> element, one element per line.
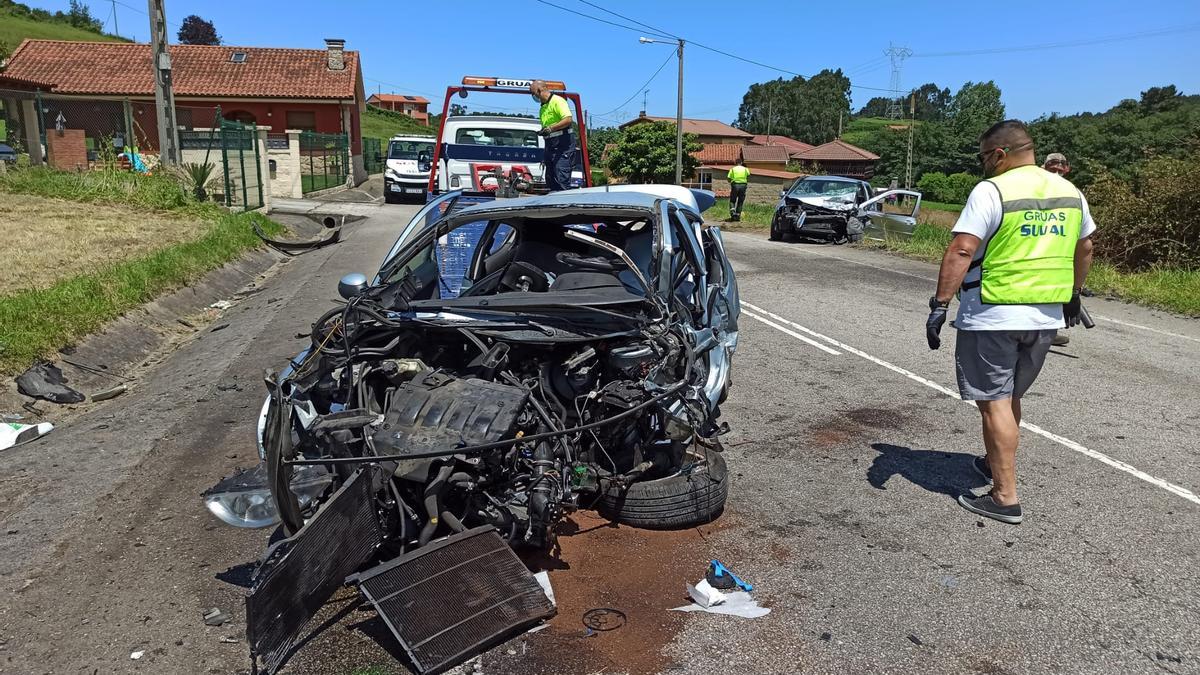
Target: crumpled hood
<point x="833" y="204"/>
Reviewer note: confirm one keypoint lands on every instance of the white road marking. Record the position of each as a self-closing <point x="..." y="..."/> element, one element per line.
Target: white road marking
<point x="933" y="280"/>
<point x="794" y="334"/>
<point x="1063" y="441"/>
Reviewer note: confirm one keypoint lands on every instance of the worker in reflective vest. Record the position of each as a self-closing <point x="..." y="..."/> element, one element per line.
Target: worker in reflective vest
<point x="555" y="116"/>
<point x="1020" y="254"/>
<point x="739" y="177"/>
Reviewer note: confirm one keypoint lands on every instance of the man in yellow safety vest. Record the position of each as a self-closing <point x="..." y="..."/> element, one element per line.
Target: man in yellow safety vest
<point x="739" y="177"/>
<point x="556" y="119"/>
<point x="1020" y="254"/>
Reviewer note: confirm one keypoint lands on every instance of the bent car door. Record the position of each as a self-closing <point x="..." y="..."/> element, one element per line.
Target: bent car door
<point x="890" y="214"/>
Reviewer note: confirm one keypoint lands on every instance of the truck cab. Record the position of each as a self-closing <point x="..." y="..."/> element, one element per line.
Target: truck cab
<point x="472" y="149"/>
<point x="406" y="173"/>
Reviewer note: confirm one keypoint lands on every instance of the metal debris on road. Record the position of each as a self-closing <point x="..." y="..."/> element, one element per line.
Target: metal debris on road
<point x="109" y="393"/>
<point x="215" y="617"/>
<point x="604" y="619"/>
<point x="46" y="380"/>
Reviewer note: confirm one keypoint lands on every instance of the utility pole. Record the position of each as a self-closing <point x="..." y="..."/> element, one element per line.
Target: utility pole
<point x="839" y="124"/>
<point x="897" y="55"/>
<point x="645" y="94"/>
<point x="912" y="123"/>
<point x="116" y="28"/>
<point x="679" y="123"/>
<point x="164" y="98"/>
<point x="770" y="116"/>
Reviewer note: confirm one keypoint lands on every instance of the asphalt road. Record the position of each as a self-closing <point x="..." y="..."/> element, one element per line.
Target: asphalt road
<point x="846" y="452"/>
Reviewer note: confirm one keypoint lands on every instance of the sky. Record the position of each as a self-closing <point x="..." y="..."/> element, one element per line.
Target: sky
<point x="421" y="47"/>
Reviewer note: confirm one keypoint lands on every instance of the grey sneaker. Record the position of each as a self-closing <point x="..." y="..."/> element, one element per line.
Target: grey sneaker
<point x="981" y="467"/>
<point x="985" y="506"/>
<point x="1059" y="340"/>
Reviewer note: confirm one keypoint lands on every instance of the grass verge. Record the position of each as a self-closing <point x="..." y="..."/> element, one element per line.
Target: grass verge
<point x="1170" y="289"/>
<point x="35" y="323"/>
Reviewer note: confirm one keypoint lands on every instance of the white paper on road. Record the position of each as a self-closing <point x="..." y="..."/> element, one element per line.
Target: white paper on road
<point x="734" y="603"/>
<point x="13" y="433"/>
<point x="543" y="578"/>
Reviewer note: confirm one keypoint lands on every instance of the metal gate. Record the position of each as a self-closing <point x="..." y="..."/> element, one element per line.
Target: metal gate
<point x="324" y="161"/>
<point x="373" y="154"/>
<point x="242" y="165"/>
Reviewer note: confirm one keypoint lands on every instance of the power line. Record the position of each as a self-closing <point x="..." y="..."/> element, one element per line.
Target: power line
<point x="710" y="48"/>
<point x="1071" y="43"/>
<point x="639" y="89"/>
<point x="660" y="32"/>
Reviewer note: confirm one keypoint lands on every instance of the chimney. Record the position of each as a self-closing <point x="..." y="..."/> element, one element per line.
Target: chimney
<point x="334" y="53"/>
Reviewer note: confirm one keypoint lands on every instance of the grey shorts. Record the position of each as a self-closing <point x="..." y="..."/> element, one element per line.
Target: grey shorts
<point x="999" y="364"/>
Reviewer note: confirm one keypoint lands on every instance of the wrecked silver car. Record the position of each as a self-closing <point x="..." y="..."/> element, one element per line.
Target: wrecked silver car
<point x="841" y="210"/>
<point x="512" y="361"/>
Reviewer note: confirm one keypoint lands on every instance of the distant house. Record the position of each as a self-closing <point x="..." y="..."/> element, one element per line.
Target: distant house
<point x="765" y="156"/>
<point x="768" y="169"/>
<point x="416" y="107"/>
<point x="707" y="131"/>
<point x="793" y="146"/>
<point x="839" y="158"/>
<point x="95" y="85"/>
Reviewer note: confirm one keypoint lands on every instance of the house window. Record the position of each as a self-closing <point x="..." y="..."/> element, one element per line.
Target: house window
<point x="304" y="120"/>
<point x="243" y="116"/>
<point x="237" y="57"/>
<point x="704" y="178"/>
<point x="183" y="118"/>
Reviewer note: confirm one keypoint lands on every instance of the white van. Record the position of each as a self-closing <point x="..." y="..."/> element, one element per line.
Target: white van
<point x="407" y="171"/>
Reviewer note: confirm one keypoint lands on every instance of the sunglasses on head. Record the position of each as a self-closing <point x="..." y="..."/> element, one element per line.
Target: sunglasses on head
<point x="983" y="155"/>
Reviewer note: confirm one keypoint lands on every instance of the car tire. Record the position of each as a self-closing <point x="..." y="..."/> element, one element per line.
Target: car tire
<point x="774" y="235"/>
<point x="675" y="502"/>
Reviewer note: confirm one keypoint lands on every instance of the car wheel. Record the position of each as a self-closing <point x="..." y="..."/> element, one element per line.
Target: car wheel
<point x="774" y="235"/>
<point x="674" y="502"/>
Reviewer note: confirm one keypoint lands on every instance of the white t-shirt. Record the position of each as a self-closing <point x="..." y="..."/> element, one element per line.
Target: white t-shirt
<point x="981" y="217"/>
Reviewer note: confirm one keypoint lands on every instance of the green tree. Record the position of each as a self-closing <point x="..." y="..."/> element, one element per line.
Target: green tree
<point x="80" y="16"/>
<point x="646" y="153"/>
<point x="876" y="107"/>
<point x="599" y="138"/>
<point x="805" y="109"/>
<point x="932" y="103"/>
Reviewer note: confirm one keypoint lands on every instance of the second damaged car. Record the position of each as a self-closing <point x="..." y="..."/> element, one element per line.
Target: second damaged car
<point x="511" y="361"/>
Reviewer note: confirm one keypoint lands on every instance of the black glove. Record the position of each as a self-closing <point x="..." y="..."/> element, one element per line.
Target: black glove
<point x="544" y="131"/>
<point x="937" y="319"/>
<point x="1072" y="309"/>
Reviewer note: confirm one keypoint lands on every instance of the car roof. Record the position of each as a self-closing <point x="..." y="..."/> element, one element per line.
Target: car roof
<point x="412" y="137"/>
<point x="569" y="198"/>
<point x="837" y="179"/>
<point x="492" y="118"/>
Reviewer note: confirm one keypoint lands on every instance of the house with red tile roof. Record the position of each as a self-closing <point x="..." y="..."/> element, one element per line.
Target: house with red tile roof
<point x="416" y="107"/>
<point x="280" y="88"/>
<point x="793" y="146"/>
<point x="839" y="158"/>
<point x="706" y="131"/>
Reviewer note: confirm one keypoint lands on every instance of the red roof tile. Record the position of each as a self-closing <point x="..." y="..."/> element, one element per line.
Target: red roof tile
<point x="765" y="153"/>
<point x="399" y="98"/>
<point x="718" y="153"/>
<point x="116" y="68"/>
<point x="7" y="80"/>
<point x="698" y="127"/>
<point x="838" y="150"/>
<point x="794" y="146"/>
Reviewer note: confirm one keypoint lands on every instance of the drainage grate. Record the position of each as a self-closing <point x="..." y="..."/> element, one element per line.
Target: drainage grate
<point x="454" y="598"/>
<point x="302" y="571"/>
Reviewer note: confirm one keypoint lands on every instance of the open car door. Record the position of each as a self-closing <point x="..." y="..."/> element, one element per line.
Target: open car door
<point x="890" y="214"/>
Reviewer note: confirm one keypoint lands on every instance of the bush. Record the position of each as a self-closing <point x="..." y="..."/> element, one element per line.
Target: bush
<point x="952" y="189"/>
<point x="158" y="191"/>
<point x="1149" y="221"/>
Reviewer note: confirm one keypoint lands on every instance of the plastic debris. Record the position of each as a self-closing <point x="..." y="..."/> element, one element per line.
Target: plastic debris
<point x="543" y="579"/>
<point x="221" y="304"/>
<point x="14" y="433"/>
<point x="705" y="598"/>
<point x="108" y="393"/>
<point x="46" y="380"/>
<point x="215" y="617"/>
<point x="721" y="578"/>
<point x="137" y="655"/>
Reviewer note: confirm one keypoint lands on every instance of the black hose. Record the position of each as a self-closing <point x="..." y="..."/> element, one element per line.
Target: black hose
<point x="433" y="503"/>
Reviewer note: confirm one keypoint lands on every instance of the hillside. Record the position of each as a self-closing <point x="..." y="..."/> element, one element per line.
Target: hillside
<point x="380" y="123"/>
<point x="860" y="129"/>
<point x="14" y="28"/>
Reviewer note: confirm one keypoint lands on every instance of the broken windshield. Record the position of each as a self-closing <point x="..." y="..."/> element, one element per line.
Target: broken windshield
<point x="825" y="188"/>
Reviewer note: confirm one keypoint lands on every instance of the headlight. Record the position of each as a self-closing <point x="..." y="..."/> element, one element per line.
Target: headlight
<point x="391" y="174"/>
<point x="244" y="499"/>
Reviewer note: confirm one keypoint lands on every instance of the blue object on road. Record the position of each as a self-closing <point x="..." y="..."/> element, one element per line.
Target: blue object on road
<point x="719" y="572"/>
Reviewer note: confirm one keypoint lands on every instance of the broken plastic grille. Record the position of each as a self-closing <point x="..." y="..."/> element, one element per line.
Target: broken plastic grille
<point x="451" y="599"/>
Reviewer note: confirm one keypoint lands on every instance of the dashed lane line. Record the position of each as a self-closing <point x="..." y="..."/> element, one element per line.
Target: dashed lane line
<point x="1061" y="440"/>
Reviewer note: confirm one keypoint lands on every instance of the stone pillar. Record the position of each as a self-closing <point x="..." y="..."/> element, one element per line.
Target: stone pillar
<point x="264" y="167"/>
<point x="294" y="160"/>
<point x="33" y="140"/>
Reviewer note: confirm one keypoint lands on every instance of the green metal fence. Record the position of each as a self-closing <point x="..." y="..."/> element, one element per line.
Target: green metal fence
<point x="374" y="155"/>
<point x="242" y="165"/>
<point x="324" y="160"/>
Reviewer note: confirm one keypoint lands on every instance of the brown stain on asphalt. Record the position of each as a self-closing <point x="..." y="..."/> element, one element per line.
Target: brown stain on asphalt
<point x="849" y="425"/>
<point x="601" y="564"/>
